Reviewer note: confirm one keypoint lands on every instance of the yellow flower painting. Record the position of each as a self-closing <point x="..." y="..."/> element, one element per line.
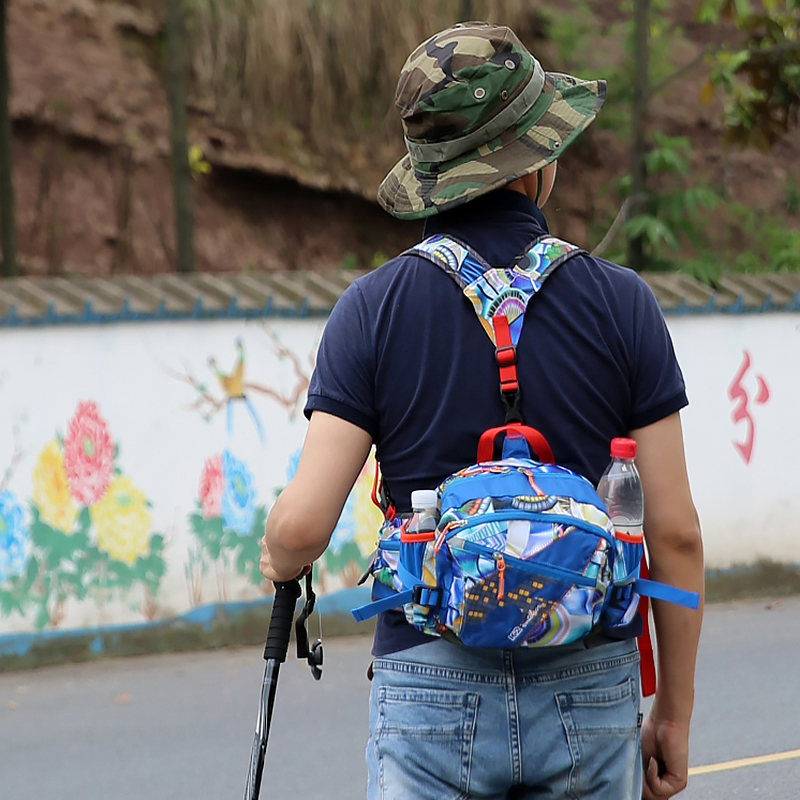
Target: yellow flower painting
<point x="51" y="493"/>
<point x="122" y="521"/>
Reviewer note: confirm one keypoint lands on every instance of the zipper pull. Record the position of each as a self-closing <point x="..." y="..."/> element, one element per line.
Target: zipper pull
<point x="454" y="523"/>
<point x="501" y="575"/>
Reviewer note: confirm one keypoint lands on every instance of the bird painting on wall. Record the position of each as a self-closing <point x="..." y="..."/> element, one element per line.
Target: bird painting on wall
<point x="235" y="390"/>
<point x="233" y="387"/>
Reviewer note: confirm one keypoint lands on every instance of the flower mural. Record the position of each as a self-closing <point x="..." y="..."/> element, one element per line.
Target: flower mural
<point x="122" y="521"/>
<point x="51" y="492"/>
<point x="89" y="535"/>
<point x="227" y="524"/>
<point x="238" y="495"/>
<point x="211" y="482"/>
<point x="13" y="537"/>
<point x="88" y="455"/>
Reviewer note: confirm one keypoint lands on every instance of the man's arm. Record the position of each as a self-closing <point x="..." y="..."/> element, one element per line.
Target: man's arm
<point x="300" y="524"/>
<point x="675" y="548"/>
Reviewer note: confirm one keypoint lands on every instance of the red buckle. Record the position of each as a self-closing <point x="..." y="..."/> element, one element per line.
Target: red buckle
<point x="506" y="355"/>
<point x="509" y="386"/>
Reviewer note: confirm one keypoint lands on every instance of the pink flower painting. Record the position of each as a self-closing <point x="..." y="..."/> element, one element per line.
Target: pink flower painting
<point x="211" y="484"/>
<point x="88" y="455"/>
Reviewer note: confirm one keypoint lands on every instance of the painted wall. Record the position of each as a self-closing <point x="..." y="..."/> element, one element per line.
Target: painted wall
<point x="138" y="467"/>
<point x="138" y="461"/>
<point x="742" y="432"/>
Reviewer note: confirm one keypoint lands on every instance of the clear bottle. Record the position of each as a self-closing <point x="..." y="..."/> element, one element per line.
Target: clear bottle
<point x="425" y="505"/>
<point x="620" y="489"/>
<point x="419" y="530"/>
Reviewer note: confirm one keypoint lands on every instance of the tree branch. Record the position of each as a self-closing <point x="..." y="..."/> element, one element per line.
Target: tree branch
<point x="612" y="231"/>
<point x="775" y="50"/>
<point x="681" y="71"/>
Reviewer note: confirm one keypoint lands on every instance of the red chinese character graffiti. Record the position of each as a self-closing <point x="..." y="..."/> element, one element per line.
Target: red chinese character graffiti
<point x="738" y="393"/>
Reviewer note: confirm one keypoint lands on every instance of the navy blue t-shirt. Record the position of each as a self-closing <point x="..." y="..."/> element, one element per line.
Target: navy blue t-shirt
<point x="404" y="357"/>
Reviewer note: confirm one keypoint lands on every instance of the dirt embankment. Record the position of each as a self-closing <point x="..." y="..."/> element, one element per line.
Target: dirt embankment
<point x="93" y="186"/>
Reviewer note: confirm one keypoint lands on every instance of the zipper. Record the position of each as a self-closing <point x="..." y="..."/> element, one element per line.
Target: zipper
<point x="524" y="472"/>
<point x="543" y="570"/>
<point x="511" y="514"/>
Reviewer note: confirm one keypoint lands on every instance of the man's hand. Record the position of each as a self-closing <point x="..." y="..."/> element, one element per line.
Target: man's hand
<point x="665" y="758"/>
<point x="268" y="571"/>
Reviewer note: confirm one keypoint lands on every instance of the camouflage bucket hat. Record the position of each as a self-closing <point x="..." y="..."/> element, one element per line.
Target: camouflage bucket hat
<point x="479" y="111"/>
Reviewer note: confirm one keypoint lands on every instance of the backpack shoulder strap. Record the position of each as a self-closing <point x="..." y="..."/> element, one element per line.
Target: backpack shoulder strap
<point x="497" y="290"/>
<point x="499" y="295"/>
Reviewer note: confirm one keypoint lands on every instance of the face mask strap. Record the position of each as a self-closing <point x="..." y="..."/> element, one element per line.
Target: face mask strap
<point x="538" y="187"/>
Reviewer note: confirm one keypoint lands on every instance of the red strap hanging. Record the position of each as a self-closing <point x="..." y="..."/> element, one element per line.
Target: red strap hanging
<point x="387" y="509"/>
<point x="505" y="353"/>
<point x="647" y="664"/>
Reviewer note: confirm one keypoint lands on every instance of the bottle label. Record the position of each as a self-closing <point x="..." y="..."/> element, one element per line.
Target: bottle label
<point x="629" y="533"/>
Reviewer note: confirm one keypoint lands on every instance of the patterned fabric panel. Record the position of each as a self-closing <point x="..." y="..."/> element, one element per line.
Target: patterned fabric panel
<point x="519" y="609"/>
<point x="488" y="605"/>
<point x="497" y="290"/>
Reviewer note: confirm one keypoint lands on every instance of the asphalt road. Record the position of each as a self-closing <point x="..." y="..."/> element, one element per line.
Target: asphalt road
<point x="181" y="726"/>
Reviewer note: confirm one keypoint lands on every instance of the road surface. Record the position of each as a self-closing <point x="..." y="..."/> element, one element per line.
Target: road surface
<point x="180" y="726"/>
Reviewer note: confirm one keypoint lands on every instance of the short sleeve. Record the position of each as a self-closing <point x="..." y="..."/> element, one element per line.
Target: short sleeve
<point x="343" y="380"/>
<point x="658" y="388"/>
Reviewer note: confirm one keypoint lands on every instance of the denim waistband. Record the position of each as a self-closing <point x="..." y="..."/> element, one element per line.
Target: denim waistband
<point x="444" y="660"/>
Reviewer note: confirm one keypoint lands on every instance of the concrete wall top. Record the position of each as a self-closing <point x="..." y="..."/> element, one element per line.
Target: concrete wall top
<point x="37" y="301"/>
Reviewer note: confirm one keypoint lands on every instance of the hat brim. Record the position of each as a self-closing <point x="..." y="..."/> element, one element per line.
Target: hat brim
<point x="413" y="190"/>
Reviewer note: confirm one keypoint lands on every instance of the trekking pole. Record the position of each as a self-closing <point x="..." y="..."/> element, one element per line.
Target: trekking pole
<point x="280" y="627"/>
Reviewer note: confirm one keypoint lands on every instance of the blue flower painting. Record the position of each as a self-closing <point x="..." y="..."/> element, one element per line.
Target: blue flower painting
<point x="13" y="537"/>
<point x="238" y="505"/>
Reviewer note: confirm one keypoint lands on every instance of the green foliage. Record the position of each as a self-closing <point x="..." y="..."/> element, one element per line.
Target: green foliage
<point x="337" y="561"/>
<point x="569" y="28"/>
<point x="379" y="258"/>
<point x="761" y="79"/>
<point x="760" y="76"/>
<point x="582" y="49"/>
<point x="349" y="262"/>
<point x="218" y="545"/>
<point x="198" y="166"/>
<point x="63" y="566"/>
<point x="750" y="242"/>
<point x="771" y="246"/>
<point x="675" y="210"/>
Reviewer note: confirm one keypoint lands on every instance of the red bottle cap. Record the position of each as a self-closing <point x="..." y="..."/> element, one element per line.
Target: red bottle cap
<point x="623" y="448"/>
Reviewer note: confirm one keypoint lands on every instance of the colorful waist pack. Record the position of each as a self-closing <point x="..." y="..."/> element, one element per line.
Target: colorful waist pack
<point x="524" y="552"/>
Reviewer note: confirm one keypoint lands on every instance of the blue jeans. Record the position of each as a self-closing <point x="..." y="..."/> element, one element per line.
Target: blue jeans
<point x="451" y="722"/>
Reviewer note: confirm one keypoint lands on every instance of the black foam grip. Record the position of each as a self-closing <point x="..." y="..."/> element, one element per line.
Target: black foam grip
<point x="280" y="621"/>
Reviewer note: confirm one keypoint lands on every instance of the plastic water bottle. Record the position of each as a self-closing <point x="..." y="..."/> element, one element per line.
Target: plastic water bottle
<point x="425" y="504"/>
<point x="419" y="530"/>
<point x="620" y="489"/>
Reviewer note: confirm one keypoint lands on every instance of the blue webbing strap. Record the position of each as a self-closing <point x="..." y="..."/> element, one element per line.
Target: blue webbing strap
<point x="391" y="599"/>
<point x="646" y="588"/>
<point x="394" y="600"/>
<point x="661" y="591"/>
